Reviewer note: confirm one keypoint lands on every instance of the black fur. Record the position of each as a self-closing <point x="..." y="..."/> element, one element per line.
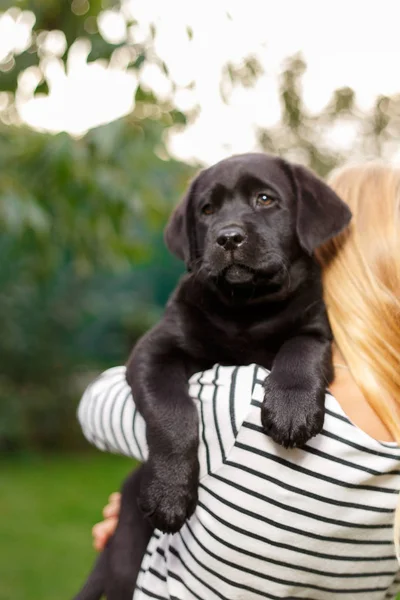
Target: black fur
<point x="252" y="294"/>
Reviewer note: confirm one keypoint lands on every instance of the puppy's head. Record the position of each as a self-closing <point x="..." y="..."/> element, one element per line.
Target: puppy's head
<point x="248" y="218"/>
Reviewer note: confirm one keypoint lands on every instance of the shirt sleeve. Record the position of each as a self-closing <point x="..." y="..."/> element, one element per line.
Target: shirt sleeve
<point x="109" y="418"/>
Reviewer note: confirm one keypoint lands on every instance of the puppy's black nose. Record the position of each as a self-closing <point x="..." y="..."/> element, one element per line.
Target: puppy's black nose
<point x="230" y="238"/>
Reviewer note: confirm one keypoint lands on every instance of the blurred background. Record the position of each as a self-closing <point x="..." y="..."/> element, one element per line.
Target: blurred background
<point x="107" y="108"/>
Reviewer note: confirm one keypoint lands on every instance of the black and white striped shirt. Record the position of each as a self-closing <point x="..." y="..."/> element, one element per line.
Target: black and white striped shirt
<point x="313" y="523"/>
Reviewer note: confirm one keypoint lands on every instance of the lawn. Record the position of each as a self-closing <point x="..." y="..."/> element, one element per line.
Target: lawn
<point x="47" y="508"/>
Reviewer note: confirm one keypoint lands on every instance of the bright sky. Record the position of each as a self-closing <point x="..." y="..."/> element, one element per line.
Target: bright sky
<point x="355" y="43"/>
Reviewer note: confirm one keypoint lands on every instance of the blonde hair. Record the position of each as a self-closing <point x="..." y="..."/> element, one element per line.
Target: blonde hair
<point x="361" y="276"/>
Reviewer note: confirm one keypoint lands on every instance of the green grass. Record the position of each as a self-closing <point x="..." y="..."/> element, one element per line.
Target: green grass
<point x="47" y="509"/>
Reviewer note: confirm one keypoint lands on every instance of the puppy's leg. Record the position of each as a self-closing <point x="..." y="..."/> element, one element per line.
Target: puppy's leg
<point x="293" y="409"/>
<point x="127" y="547"/>
<point x="158" y="376"/>
<point x="95" y="584"/>
<point x="117" y="567"/>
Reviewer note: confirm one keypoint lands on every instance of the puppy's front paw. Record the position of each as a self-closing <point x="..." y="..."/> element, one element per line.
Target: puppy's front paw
<point x="290" y="415"/>
<point x="169" y="493"/>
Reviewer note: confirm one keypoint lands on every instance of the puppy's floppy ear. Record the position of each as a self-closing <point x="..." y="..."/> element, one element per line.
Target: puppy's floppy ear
<point x="175" y="232"/>
<point x="321" y="214"/>
<point x="179" y="234"/>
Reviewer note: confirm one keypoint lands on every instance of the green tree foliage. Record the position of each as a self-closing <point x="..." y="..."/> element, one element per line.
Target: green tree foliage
<point x="94" y="198"/>
<point x="84" y="270"/>
<point x="307" y="138"/>
<point x="76" y="19"/>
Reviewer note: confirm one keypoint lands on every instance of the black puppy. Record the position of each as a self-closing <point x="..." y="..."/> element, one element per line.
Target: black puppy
<point x="246" y="230"/>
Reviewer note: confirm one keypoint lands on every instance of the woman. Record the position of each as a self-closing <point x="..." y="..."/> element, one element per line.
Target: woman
<point x="315" y="522"/>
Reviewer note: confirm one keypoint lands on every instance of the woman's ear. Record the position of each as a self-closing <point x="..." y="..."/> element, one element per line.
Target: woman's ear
<point x="321" y="214"/>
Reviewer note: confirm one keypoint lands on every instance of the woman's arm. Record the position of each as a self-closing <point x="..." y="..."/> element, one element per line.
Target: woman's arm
<point x="109" y="418"/>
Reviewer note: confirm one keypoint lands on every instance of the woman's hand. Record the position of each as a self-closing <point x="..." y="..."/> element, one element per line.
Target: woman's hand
<point x="103" y="531"/>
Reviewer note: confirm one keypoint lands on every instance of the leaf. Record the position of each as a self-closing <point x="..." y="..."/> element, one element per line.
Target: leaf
<point x="145" y="96"/>
<point x="9" y="79"/>
<point x="178" y="117"/>
<point x="139" y="61"/>
<point x="42" y="88"/>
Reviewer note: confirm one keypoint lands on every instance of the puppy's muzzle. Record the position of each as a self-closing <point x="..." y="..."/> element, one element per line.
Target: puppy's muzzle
<point x="231" y="237"/>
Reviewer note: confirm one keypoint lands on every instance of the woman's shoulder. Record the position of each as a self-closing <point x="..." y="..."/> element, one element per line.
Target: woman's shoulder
<point x="229" y="400"/>
<point x="229" y="390"/>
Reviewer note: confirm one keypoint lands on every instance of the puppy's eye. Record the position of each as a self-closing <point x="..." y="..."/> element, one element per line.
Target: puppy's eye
<point x="264" y="199"/>
<point x="207" y="209"/>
